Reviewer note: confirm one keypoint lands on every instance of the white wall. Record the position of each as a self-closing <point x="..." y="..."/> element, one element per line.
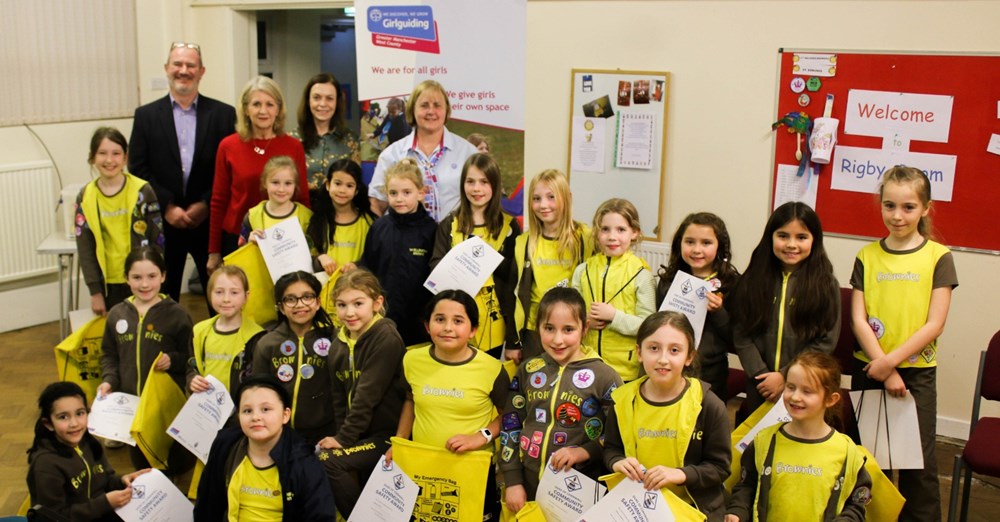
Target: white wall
<point x="719" y="141"/>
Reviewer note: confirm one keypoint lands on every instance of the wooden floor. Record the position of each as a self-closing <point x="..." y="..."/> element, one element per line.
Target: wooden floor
<point x="28" y="366"/>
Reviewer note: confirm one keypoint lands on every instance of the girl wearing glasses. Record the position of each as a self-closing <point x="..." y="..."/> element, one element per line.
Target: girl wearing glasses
<point x="295" y="352"/>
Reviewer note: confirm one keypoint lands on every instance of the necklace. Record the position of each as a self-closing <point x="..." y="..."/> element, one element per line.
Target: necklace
<point x="258" y="149"/>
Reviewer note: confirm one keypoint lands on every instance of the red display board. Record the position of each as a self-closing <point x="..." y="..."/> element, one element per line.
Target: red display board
<point x="971" y="219"/>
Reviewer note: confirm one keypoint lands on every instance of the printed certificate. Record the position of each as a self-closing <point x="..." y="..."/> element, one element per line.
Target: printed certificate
<point x="689" y="295"/>
<point x="285" y="249"/>
<point x="466" y="267"/>
<point x="565" y="495"/>
<point x="156" y="499"/>
<point x="201" y="418"/>
<point x="111" y="417"/>
<point x="388" y="496"/>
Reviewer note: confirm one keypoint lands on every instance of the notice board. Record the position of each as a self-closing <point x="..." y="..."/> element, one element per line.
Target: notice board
<point x="938" y="112"/>
<point x="617" y="142"/>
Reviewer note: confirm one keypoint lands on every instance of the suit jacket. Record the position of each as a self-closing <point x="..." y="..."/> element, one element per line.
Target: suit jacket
<point x="155" y="156"/>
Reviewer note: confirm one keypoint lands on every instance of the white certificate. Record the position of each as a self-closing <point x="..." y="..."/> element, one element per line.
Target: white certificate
<point x="565" y="495"/>
<point x="156" y="499"/>
<point x="285" y="249"/>
<point x="201" y="418"/>
<point x="777" y="413"/>
<point x="889" y="429"/>
<point x="630" y="502"/>
<point x="588" y="144"/>
<point x="634" y="149"/>
<point x="466" y="267"/>
<point x="388" y="496"/>
<point x="111" y="416"/>
<point x="689" y="295"/>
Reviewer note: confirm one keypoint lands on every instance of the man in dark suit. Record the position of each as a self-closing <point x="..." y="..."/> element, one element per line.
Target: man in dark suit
<point x="173" y="145"/>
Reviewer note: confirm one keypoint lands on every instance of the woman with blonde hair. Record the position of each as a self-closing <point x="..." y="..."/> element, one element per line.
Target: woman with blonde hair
<point x="439" y="153"/>
<point x="260" y="135"/>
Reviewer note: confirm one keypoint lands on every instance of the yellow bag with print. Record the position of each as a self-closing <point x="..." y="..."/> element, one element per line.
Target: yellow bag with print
<point x="683" y="512"/>
<point x="161" y="400"/>
<point x="452" y="486"/>
<point x="260" y="302"/>
<point x="887" y="502"/>
<point x="738" y="434"/>
<point x="78" y="357"/>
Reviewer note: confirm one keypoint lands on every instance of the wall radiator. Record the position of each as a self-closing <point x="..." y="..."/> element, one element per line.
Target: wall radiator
<point x="654" y="253"/>
<point x="27" y="216"/>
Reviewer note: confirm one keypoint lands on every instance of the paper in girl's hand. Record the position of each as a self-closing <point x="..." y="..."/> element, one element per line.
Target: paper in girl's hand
<point x="777" y="414"/>
<point x="889" y="429"/>
<point x="689" y="295"/>
<point x="565" y="495"/>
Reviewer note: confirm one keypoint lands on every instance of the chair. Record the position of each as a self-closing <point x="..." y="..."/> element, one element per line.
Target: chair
<point x="847" y="344"/>
<point x="980" y="454"/>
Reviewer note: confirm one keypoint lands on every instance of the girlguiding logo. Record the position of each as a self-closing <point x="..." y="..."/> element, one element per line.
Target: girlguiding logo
<point x="410" y="27"/>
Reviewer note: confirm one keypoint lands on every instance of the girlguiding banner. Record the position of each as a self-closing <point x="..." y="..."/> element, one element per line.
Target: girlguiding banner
<point x="474" y="48"/>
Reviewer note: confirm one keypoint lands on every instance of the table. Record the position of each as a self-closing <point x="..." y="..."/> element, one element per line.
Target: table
<point x="57" y="244"/>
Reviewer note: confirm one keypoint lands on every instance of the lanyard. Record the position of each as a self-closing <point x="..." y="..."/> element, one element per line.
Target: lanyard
<point x="428" y="165"/>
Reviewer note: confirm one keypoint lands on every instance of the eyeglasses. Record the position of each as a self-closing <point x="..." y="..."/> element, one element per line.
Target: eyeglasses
<point x="180" y="45"/>
<point x="291" y="300"/>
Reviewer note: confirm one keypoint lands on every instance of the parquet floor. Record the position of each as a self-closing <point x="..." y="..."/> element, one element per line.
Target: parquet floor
<point x="27" y="365"/>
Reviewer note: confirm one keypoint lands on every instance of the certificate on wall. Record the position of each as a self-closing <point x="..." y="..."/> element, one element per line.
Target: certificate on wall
<point x="634" y="148"/>
<point x="588" y="144"/>
<point x="111" y="416"/>
<point x="285" y="249"/>
<point x="201" y="418"/>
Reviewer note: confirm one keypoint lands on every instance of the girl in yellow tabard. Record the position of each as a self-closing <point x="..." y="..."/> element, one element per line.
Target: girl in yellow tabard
<point x="342" y="215"/>
<point x="544" y="258"/>
<point x="115" y="213"/>
<point x="280" y="181"/>
<point x="479" y="214"/>
<point x="220" y="340"/>
<point x="618" y="287"/>
<point x="454" y="391"/>
<point x="803" y="469"/>
<point x="665" y="429"/>
<point x="902" y="292"/>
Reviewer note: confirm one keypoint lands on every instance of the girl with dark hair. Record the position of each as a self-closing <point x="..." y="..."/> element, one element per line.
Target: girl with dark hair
<point x="464" y="419"/>
<point x="68" y="473"/>
<point x="115" y="213"/>
<point x="324" y="135"/>
<point x="138" y="329"/>
<point x="296" y="351"/>
<point x="342" y="216"/>
<point x="693" y="463"/>
<point x="261" y="470"/>
<point x="479" y="214"/>
<point x="787" y="302"/>
<point x="701" y="247"/>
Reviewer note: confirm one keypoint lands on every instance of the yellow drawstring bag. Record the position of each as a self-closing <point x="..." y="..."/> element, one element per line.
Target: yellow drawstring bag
<point x="260" y="302"/>
<point x="78" y="357"/>
<point x="452" y="486"/>
<point x="161" y="400"/>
